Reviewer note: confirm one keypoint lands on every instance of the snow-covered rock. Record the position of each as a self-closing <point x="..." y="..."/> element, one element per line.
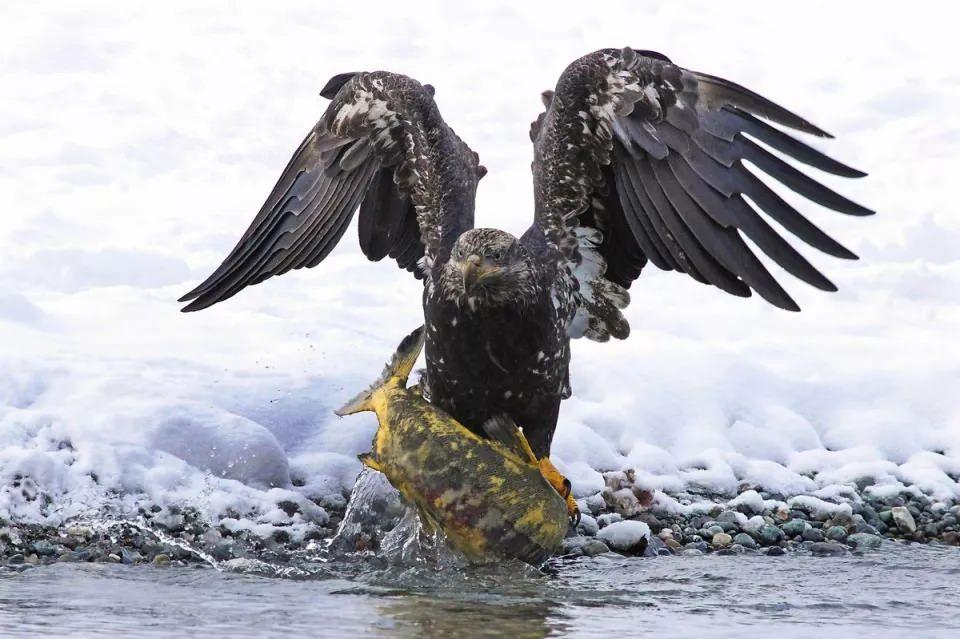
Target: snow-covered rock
<point x="625" y="536"/>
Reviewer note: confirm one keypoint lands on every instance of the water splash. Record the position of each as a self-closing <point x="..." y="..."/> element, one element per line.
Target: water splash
<point x="109" y="526"/>
<point x="376" y="519"/>
<point x="373" y="511"/>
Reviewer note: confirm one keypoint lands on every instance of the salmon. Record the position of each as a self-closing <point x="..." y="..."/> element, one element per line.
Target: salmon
<point x="491" y="497"/>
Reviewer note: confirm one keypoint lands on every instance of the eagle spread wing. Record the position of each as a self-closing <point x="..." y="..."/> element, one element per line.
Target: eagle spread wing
<point x="638" y="159"/>
<point x="380" y="145"/>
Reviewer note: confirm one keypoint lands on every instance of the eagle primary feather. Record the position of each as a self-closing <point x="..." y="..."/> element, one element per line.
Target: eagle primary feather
<point x="636" y="159"/>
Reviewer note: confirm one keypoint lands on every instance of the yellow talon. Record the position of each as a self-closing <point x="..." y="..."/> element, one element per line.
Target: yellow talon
<point x="562" y="485"/>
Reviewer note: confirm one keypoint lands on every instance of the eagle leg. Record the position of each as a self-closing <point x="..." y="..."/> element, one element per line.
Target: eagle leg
<point x="562" y="485"/>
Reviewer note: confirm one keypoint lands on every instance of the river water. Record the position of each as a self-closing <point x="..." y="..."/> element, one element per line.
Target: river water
<point x="899" y="590"/>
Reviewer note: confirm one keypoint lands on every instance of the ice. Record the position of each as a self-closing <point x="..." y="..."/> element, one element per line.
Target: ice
<point x="132" y="167"/>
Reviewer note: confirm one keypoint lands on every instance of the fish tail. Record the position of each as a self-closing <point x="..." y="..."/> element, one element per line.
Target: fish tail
<point x="396" y="372"/>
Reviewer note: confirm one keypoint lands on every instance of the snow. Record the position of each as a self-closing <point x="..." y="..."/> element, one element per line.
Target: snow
<point x="138" y="142"/>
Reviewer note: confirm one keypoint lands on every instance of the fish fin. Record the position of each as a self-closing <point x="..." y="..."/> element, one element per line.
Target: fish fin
<point x="503" y="430"/>
<point x="370" y="461"/>
<point x="398" y="368"/>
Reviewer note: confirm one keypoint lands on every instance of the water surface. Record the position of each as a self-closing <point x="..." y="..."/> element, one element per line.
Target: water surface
<point x="897" y="591"/>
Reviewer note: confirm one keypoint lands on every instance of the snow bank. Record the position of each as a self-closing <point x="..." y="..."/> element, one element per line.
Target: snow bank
<point x="131" y="169"/>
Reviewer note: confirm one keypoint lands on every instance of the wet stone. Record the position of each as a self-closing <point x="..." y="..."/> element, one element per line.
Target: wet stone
<point x="862" y="541"/>
<point x="44" y="548"/>
<point x="700" y="546"/>
<point x="594" y="547"/>
<point x="794" y="527"/>
<point x="745" y="540"/>
<point x="903" y="519"/>
<point x="609" y="518"/>
<point x="812" y="534"/>
<point x="588" y="525"/>
<point x="827" y="548"/>
<point x="836" y="533"/>
<point x="656" y="547"/>
<point x="770" y="535"/>
<point x="734" y="549"/>
<point x="721" y="540"/>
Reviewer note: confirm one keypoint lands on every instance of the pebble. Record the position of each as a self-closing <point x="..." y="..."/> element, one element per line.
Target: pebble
<point x="770" y="535"/>
<point x="691" y="552"/>
<point x="161" y="560"/>
<point x="745" y="540"/>
<point x="43" y="548"/>
<point x="794" y="527"/>
<point x="812" y="534"/>
<point x="721" y="540"/>
<point x="588" y="525"/>
<point x="734" y="549"/>
<point x="775" y="551"/>
<point x="861" y="541"/>
<point x="903" y="519"/>
<point x="609" y="518"/>
<point x="836" y="533"/>
<point x="626" y="536"/>
<point x="824" y="548"/>
<point x="594" y="547"/>
<point x="656" y="547"/>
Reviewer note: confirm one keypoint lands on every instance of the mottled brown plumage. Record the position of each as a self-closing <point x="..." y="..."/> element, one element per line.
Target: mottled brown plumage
<point x="636" y="159"/>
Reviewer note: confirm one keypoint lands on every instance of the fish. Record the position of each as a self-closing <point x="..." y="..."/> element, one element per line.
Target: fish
<point x="491" y="497"/>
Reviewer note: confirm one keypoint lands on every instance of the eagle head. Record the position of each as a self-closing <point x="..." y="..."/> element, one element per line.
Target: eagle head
<point x="488" y="267"/>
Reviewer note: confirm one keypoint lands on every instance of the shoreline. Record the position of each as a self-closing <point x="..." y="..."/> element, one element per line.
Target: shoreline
<point x="622" y="518"/>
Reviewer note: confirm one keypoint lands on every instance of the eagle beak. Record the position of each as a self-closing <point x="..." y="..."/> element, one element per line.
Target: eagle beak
<point x="473" y="269"/>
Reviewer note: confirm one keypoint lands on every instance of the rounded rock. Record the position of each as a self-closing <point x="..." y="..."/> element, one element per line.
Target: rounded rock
<point x="825" y="548"/>
<point x="836" y="533"/>
<point x="721" y="540"/>
<point x="770" y="535"/>
<point x="862" y="541"/>
<point x="626" y="536"/>
<point x="812" y="534"/>
<point x="903" y="519"/>
<point x="745" y="540"/>
<point x="794" y="527"/>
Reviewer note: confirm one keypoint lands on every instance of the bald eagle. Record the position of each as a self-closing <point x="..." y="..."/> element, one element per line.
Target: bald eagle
<point x="636" y="160"/>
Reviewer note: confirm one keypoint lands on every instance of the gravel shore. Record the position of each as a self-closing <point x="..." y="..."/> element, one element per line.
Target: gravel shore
<point x="618" y="519"/>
